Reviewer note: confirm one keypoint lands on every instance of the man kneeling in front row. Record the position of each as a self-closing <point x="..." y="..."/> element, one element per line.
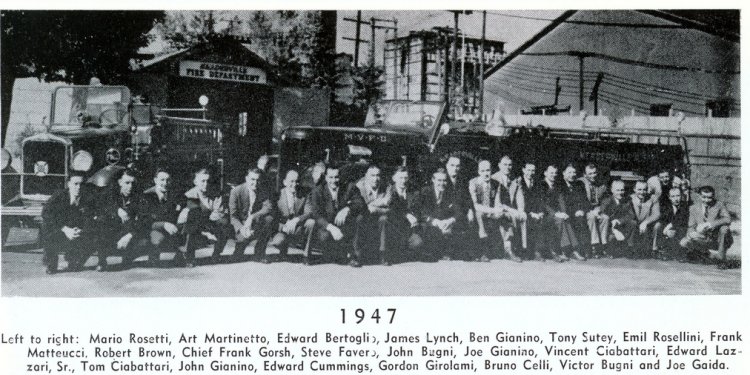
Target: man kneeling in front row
<point x="708" y="227"/>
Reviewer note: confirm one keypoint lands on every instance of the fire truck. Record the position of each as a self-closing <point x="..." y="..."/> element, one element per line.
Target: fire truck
<point x="100" y="130"/>
<point x="420" y="136"/>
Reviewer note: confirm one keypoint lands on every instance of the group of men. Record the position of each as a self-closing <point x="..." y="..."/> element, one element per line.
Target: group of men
<point x="379" y="219"/>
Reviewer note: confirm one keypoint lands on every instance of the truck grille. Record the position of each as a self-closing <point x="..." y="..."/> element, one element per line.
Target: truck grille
<point x="43" y="167"/>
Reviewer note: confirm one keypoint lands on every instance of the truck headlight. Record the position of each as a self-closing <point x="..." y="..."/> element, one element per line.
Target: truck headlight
<point x="5" y="159"/>
<point x="82" y="161"/>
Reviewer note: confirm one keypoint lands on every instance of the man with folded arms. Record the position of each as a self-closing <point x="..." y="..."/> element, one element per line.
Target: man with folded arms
<point x="708" y="227"/>
<point x="250" y="211"/>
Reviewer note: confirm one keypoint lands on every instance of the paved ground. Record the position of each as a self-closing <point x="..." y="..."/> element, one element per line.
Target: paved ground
<point x="23" y="275"/>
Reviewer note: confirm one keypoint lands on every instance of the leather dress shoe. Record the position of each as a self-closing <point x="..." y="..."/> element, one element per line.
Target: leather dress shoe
<point x="190" y="264"/>
<point x="265" y="260"/>
<point x="538" y="256"/>
<point x="354" y="263"/>
<point x="578" y="256"/>
<point x="101" y="268"/>
<point x="51" y="271"/>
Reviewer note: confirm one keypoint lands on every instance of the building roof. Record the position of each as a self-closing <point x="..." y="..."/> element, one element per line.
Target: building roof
<point x="226" y="50"/>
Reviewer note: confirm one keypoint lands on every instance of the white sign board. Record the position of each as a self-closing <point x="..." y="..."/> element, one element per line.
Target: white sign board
<point x="221" y="72"/>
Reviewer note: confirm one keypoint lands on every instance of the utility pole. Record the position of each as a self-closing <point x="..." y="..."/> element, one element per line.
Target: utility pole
<point x="395" y="60"/>
<point x="372" y="41"/>
<point x="454" y="58"/>
<point x="357" y="39"/>
<point x="454" y="53"/>
<point x="481" y="65"/>
<point x="595" y="93"/>
<point x="580" y="83"/>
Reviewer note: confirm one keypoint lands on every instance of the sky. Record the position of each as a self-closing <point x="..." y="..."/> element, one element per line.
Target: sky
<point x="503" y="25"/>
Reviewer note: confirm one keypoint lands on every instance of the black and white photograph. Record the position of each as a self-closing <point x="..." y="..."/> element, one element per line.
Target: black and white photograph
<point x="370" y="153"/>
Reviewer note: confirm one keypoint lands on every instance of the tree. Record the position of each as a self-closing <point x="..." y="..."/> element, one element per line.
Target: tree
<point x="70" y="46"/>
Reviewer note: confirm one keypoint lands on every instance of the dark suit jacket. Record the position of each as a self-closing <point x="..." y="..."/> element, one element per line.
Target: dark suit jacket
<point x="239" y="204"/>
<point x="58" y="213"/>
<point x="594" y="193"/>
<point x="548" y="198"/>
<point x="108" y="211"/>
<point x="622" y="211"/>
<point x="678" y="219"/>
<point x="460" y="191"/>
<point x="324" y="209"/>
<point x="573" y="197"/>
<point x="400" y="207"/>
<point x="154" y="213"/>
<point x="523" y="197"/>
<point x="429" y="209"/>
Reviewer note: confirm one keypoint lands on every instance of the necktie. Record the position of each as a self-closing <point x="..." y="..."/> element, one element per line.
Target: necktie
<point x="705" y="212"/>
<point x="486" y="194"/>
<point x="440" y="198"/>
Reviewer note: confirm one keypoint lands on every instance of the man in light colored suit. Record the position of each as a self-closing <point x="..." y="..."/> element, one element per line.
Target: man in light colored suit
<point x="708" y="226"/>
<point x="294" y="215"/>
<point x="250" y="211"/>
<point x="204" y="218"/>
<point x="647" y="214"/>
<point x="595" y="192"/>
<point x="495" y="216"/>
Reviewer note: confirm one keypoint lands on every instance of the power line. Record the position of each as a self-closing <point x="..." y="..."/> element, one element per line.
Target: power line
<point x="612" y="77"/>
<point x="593" y="23"/>
<point x="625" y="61"/>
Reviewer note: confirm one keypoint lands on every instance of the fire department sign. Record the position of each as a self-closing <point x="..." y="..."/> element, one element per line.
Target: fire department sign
<point x="221" y="72"/>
